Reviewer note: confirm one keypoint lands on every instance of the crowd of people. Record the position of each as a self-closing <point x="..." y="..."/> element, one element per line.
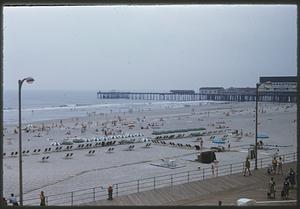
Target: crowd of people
<point x="289" y="182"/>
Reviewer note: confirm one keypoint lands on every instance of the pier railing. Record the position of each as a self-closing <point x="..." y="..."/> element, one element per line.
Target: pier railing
<point x="82" y="196"/>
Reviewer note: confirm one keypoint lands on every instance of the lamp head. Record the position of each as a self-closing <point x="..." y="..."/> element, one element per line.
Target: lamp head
<point x="29" y="80"/>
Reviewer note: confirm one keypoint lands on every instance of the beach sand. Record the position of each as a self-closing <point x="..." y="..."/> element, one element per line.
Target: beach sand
<point x="60" y="175"/>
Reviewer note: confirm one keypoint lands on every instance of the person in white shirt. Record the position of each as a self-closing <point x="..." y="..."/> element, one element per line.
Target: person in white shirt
<point x="13" y="200"/>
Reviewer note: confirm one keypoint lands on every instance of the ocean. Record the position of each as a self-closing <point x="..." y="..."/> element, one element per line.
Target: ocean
<point x="48" y="105"/>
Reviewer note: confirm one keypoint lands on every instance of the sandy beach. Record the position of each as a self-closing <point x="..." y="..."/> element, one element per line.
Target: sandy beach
<point x="59" y="175"/>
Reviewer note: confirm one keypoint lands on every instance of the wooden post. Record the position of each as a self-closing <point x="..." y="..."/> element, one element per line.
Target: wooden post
<point x="188" y="177"/>
<point x="138" y="185"/>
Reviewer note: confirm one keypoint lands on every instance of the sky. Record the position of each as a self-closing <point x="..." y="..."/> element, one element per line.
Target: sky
<point x="148" y="48"/>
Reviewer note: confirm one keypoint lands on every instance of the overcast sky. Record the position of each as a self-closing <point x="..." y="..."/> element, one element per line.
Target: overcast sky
<point x="148" y="47"/>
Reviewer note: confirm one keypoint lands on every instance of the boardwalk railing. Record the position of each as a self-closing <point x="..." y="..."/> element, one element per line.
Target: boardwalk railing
<point x="124" y="188"/>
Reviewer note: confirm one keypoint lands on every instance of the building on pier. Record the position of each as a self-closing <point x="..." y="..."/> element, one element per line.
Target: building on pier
<point x="282" y="88"/>
<point x="211" y="90"/>
<point x="182" y="91"/>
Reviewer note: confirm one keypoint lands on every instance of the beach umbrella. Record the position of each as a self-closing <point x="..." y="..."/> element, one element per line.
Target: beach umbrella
<point x="218" y="141"/>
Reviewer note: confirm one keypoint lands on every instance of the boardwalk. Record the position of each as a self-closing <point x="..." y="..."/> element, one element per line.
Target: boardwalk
<point x="226" y="189"/>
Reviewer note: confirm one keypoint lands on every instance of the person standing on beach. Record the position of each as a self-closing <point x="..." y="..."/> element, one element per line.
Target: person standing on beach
<point x="43" y="199"/>
<point x="201" y="143"/>
<point x="213" y="170"/>
<point x="247" y="167"/>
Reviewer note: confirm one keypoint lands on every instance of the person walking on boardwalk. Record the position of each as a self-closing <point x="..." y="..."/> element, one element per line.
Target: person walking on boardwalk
<point x="274" y="165"/>
<point x="272" y="190"/>
<point x="247" y="167"/>
<point x="279" y="164"/>
<point x="292" y="175"/>
<point x="286" y="188"/>
<point x="43" y="199"/>
<point x="110" y="193"/>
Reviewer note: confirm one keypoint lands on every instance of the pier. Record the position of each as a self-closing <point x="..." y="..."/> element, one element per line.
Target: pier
<point x="188" y="95"/>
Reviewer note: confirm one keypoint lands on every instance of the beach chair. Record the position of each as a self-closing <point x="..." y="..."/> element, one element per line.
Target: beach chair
<point x="110" y="149"/>
<point x="91" y="153"/>
<point x="36" y="151"/>
<point x="130" y="148"/>
<point x="25" y="153"/>
<point x="68" y="156"/>
<point x="45" y="159"/>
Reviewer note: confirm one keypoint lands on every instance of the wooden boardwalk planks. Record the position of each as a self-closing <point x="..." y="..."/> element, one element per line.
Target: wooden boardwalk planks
<point x="198" y="192"/>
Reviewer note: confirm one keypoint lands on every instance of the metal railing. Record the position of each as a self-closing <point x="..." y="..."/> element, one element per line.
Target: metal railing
<point x="124" y="188"/>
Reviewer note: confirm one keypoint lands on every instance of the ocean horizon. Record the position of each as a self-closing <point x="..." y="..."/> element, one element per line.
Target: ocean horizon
<point x="41" y="105"/>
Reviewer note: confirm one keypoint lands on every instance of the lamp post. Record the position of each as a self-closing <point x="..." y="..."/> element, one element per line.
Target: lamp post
<point x="28" y="80"/>
<point x="256" y="114"/>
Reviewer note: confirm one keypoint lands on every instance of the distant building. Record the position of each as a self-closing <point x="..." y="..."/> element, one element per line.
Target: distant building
<point x="182" y="91"/>
<point x="281" y="89"/>
<point x="244" y="91"/>
<point x="283" y="84"/>
<point x="211" y="90"/>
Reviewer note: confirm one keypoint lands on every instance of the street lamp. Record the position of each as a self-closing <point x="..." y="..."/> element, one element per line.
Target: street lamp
<point x="266" y="84"/>
<point x="30" y="81"/>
